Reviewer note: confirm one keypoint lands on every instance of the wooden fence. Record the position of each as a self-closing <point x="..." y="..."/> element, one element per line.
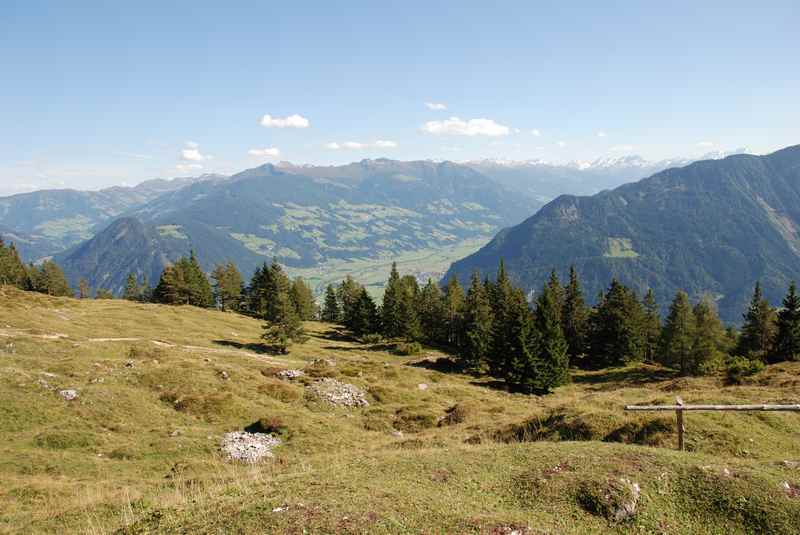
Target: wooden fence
<point x="680" y="407"/>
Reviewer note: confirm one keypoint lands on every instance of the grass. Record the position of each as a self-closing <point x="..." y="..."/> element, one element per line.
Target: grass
<point x="137" y="452"/>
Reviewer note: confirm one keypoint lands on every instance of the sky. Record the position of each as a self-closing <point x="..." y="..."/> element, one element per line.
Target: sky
<point x="94" y="94"/>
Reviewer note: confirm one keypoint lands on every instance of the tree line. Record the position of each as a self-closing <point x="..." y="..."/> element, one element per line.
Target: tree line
<point x="46" y="278"/>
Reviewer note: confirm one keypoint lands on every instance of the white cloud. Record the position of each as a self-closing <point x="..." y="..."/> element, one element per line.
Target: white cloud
<point x="192" y="144"/>
<point x="601" y="134"/>
<point x="438" y="106"/>
<point x="705" y="144"/>
<point x="622" y="148"/>
<point x="293" y="121"/>
<point x="472" y="127"/>
<point x="562" y="144"/>
<point x="192" y="155"/>
<point x="268" y="152"/>
<point x="188" y="167"/>
<point x="356" y="145"/>
<point x="536" y="132"/>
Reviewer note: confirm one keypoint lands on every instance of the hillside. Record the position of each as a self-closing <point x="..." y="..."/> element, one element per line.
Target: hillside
<point x="367" y="213"/>
<point x="712" y="226"/>
<point x="47" y="222"/>
<point x="138" y="450"/>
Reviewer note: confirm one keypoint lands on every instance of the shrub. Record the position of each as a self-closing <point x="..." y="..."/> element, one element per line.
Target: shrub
<point x="457" y="414"/>
<point x="737" y="368"/>
<point x="408" y="349"/>
<point x="371" y="339"/>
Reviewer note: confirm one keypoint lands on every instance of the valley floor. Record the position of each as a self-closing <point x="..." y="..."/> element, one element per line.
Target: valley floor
<point x="138" y="450"/>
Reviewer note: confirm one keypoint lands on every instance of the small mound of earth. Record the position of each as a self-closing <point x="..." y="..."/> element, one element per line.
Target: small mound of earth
<point x="248" y="448"/>
<point x="289" y="374"/>
<point x="338" y="393"/>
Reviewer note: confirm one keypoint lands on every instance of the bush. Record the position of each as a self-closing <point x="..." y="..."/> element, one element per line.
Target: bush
<point x="457" y="414"/>
<point x="407" y="349"/>
<point x="371" y="339"/>
<point x="737" y="368"/>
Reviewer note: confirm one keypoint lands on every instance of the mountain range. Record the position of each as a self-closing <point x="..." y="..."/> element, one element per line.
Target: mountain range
<point x="713" y="227"/>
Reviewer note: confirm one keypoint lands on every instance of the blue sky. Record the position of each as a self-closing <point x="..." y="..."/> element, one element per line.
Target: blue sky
<point x="101" y="93"/>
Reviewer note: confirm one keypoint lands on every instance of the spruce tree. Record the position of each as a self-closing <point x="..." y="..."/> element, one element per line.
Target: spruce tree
<point x="84" y="291"/>
<point x="574" y="317"/>
<point x="709" y="338"/>
<point x="303" y="299"/>
<point x="171" y="288"/>
<point x="227" y="287"/>
<point x="200" y="291"/>
<point x="365" y="317"/>
<point x="651" y="326"/>
<point x="477" y="324"/>
<point x="759" y="327"/>
<point x="407" y="309"/>
<point x="616" y="329"/>
<point x="131" y="288"/>
<point x="48" y="278"/>
<point x="453" y="304"/>
<point x="558" y="293"/>
<point x="330" y="309"/>
<point x="551" y="358"/>
<point x="787" y="339"/>
<point x="390" y="311"/>
<point x="521" y="367"/>
<point x="502" y="297"/>
<point x="678" y="336"/>
<point x="432" y="313"/>
<point x="12" y="269"/>
<point x="349" y="293"/>
<point x="284" y="326"/>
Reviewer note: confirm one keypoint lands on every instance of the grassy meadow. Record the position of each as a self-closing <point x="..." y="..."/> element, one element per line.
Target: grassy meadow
<point x="436" y="451"/>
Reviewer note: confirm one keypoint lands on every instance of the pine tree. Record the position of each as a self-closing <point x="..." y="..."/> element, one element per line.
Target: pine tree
<point x="200" y="293"/>
<point x="678" y="336"/>
<point x="502" y="297"/>
<point x="49" y="279"/>
<point x="103" y="293"/>
<point x="171" y="288"/>
<point x="131" y="288"/>
<point x="453" y="304"/>
<point x="349" y="293"/>
<point x="477" y="325"/>
<point x="616" y="329"/>
<point x="759" y="327"/>
<point x="651" y="326"/>
<point x="574" y="317"/>
<point x="787" y="339"/>
<point x="709" y="338"/>
<point x="284" y="326"/>
<point x="558" y="293"/>
<point x="303" y="299"/>
<point x="432" y="313"/>
<point x="145" y="291"/>
<point x="551" y="358"/>
<point x="521" y="367"/>
<point x="12" y="269"/>
<point x="390" y="311"/>
<point x="330" y="309"/>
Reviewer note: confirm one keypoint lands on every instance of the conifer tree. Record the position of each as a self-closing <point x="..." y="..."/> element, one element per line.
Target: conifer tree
<point x="551" y="358"/>
<point x="349" y="293"/>
<point x="284" y="326"/>
<point x="408" y="314"/>
<point x="390" y="311"/>
<point x="759" y="327"/>
<point x="303" y="299"/>
<point x="651" y="326"/>
<point x="678" y="336"/>
<point x="787" y="339"/>
<point x="200" y="293"/>
<point x="558" y="293"/>
<point x="709" y="338"/>
<point x="521" y="366"/>
<point x="432" y="313"/>
<point x="477" y="324"/>
<point x="616" y="328"/>
<point x="103" y="293"/>
<point x="171" y="288"/>
<point x="131" y="288"/>
<point x="365" y="318"/>
<point x="453" y="304"/>
<point x="48" y="278"/>
<point x="330" y="309"/>
<point x="12" y="269"/>
<point x="227" y="286"/>
<point x="502" y="296"/>
<point x="145" y="291"/>
<point x="574" y="317"/>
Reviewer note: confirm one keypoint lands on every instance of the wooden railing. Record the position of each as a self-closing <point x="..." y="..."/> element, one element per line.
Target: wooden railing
<point x="679" y="407"/>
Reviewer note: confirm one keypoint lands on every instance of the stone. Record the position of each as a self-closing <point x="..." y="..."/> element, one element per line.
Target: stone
<point x="248" y="448"/>
<point x="289" y="374"/>
<point x="68" y="395"/>
<point x="337" y="393"/>
<point x="225" y="376"/>
<point x="422" y="386"/>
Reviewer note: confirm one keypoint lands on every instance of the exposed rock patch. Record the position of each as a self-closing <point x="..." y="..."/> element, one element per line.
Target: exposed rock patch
<point x="248" y="448"/>
<point x="338" y="393"/>
<point x="289" y="374"/>
<point x="68" y="395"/>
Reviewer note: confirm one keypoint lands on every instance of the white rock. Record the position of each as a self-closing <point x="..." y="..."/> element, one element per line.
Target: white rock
<point x="338" y="393"/>
<point x="422" y="386"/>
<point x="248" y="448"/>
<point x="69" y="395"/>
<point x="289" y="374"/>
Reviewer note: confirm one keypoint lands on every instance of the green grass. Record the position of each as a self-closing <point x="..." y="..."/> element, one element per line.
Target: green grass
<point x="137" y="452"/>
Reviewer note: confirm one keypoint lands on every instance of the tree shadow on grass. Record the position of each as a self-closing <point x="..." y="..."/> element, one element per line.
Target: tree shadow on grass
<point x="256" y="347"/>
<point x="610" y="378"/>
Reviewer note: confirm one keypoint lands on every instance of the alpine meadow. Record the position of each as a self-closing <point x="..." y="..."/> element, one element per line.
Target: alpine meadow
<point x="414" y="268"/>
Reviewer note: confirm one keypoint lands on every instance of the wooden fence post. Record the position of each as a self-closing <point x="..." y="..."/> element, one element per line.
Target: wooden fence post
<point x="679" y="422"/>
